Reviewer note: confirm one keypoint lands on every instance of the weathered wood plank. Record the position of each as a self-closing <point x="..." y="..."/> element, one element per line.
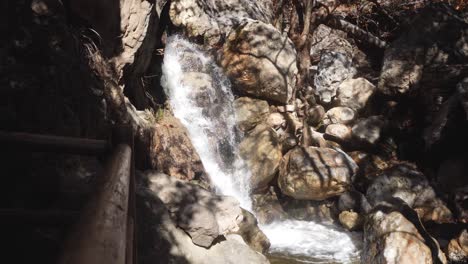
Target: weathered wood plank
<point x="100" y="235"/>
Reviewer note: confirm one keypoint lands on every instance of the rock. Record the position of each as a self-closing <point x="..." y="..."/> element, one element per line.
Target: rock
<point x="267" y="207"/>
<point x="160" y="240"/>
<point x="260" y="61"/>
<point x="339" y="115"/>
<point x="196" y="210"/>
<point x="261" y="150"/>
<point x="326" y="39"/>
<point x="276" y="120"/>
<point x="333" y="69"/>
<point x="353" y="201"/>
<point x="338" y="130"/>
<point x="354" y="93"/>
<point x="201" y="83"/>
<point x="370" y="166"/>
<point x="437" y="37"/>
<point x="250" y="112"/>
<point x="457" y="250"/>
<point x="200" y="223"/>
<point x="315" y="173"/>
<point x="389" y="237"/>
<point x="213" y="20"/>
<point x="176" y="156"/>
<point x="405" y="182"/>
<point x="352" y="221"/>
<point x="461" y="203"/>
<point x="252" y="234"/>
<point x="369" y="130"/>
<point x="315" y="115"/>
<point x="317" y="211"/>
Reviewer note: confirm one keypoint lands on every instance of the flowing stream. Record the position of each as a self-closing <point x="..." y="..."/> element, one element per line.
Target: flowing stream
<point x="201" y="98"/>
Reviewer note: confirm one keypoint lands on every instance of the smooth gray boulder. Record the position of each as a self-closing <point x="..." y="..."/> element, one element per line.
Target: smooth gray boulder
<point x="339" y="115"/>
<point x="369" y="130"/>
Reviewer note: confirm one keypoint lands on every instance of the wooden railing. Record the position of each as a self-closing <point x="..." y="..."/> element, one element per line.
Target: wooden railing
<point x="105" y="229"/>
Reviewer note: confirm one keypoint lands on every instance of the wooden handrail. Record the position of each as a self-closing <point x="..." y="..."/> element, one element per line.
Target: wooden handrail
<point x="48" y="143"/>
<point x="100" y="235"/>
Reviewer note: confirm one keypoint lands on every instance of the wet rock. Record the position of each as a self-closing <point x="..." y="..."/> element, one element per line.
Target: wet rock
<point x="252" y="234"/>
<point x="339" y="131"/>
<point x="369" y="130"/>
<point x="176" y="156"/>
<point x="250" y="112"/>
<point x="196" y="210"/>
<point x="261" y="149"/>
<point x="260" y="61"/>
<point x="354" y="93"/>
<point x="389" y="237"/>
<point x="213" y="20"/>
<point x="201" y="82"/>
<point x="405" y="182"/>
<point x="160" y="239"/>
<point x="457" y="250"/>
<point x="352" y="221"/>
<point x="339" y="115"/>
<point x="315" y="173"/>
<point x="267" y="207"/>
<point x="315" y="115"/>
<point x="317" y="211"/>
<point x="333" y="69"/>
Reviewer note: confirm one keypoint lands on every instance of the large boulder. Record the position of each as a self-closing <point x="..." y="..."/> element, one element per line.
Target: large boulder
<point x="389" y="237"/>
<point x="405" y="182"/>
<point x="315" y="173"/>
<point x="213" y="20"/>
<point x="203" y="215"/>
<point x="250" y="112"/>
<point x="261" y="149"/>
<point x="252" y="234"/>
<point x="260" y="61"/>
<point x="160" y="240"/>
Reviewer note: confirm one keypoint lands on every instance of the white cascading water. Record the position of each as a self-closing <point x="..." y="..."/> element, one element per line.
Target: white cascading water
<point x="201" y="98"/>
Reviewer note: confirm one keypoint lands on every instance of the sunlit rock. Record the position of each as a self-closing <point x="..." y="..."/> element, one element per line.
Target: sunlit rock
<point x="405" y="182"/>
<point x="250" y="112"/>
<point x="261" y="149"/>
<point x="354" y="93"/>
<point x="260" y="61"/>
<point x="315" y="173"/>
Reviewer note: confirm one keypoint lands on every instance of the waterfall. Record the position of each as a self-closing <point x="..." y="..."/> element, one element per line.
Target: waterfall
<point x="201" y="98"/>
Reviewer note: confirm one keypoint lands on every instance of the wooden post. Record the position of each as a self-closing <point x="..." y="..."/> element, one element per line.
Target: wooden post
<point x="101" y="233"/>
